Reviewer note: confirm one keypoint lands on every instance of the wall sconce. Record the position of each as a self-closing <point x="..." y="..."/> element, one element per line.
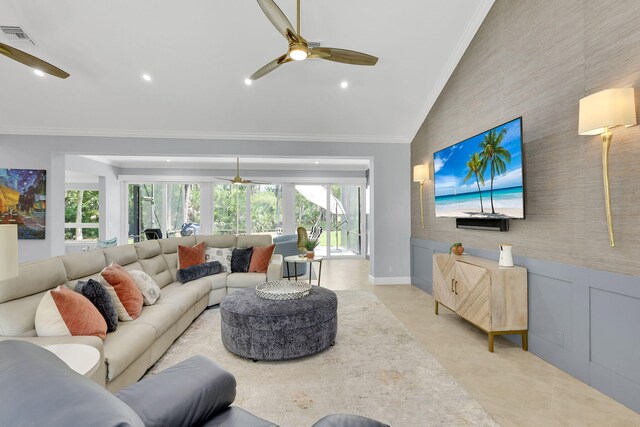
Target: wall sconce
<point x="8" y="251"/>
<point x="421" y="174"/>
<point x="599" y="113"/>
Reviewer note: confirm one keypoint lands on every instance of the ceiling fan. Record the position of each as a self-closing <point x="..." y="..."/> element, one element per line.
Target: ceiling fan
<point x="32" y="61"/>
<point x="299" y="48"/>
<point x="239" y="181"/>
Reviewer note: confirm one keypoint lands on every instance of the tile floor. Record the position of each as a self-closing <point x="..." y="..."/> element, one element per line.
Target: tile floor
<point x="517" y="388"/>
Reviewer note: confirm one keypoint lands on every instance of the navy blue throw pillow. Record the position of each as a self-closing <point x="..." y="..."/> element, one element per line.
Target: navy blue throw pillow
<point x="240" y="260"/>
<point x="194" y="272"/>
<point x="99" y="297"/>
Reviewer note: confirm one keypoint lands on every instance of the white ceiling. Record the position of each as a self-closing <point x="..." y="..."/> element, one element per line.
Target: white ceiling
<point x="199" y="53"/>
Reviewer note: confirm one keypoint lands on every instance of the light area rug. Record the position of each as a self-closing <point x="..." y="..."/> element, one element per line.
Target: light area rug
<point x="376" y="369"/>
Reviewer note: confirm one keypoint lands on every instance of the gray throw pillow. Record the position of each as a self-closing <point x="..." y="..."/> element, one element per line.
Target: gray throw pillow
<point x="240" y="260"/>
<point x="95" y="292"/>
<point x="194" y="272"/>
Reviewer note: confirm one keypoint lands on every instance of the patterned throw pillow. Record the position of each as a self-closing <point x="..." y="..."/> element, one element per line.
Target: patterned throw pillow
<point x="222" y="255"/>
<point x="188" y="256"/>
<point x="123" y="291"/>
<point x="148" y="287"/>
<point x="240" y="260"/>
<point x="260" y="258"/>
<point x="100" y="298"/>
<point x="63" y="312"/>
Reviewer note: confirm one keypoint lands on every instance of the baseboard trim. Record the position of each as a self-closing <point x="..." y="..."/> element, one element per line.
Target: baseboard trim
<point x="400" y="280"/>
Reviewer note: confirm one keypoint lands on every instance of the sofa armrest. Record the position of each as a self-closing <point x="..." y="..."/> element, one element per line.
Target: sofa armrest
<point x="99" y="376"/>
<point x="274" y="271"/>
<point x="186" y="394"/>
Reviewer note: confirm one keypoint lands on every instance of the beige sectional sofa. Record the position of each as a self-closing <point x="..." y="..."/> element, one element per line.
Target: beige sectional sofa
<point x="136" y="345"/>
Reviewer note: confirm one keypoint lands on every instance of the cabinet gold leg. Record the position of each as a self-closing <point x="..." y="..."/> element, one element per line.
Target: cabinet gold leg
<point x="525" y="341"/>
<point x="436" y="308"/>
<point x="490" y="342"/>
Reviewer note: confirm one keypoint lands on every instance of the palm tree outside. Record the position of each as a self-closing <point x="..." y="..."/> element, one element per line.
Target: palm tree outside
<point x="475" y="169"/>
<point x="495" y="156"/>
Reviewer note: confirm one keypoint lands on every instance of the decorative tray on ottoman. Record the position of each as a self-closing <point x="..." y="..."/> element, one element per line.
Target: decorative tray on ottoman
<point x="282" y="290"/>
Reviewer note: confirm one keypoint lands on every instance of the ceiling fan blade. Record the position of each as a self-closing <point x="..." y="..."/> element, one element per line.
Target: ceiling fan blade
<point x="343" y="55"/>
<point x="277" y="18"/>
<point x="269" y="67"/>
<point x="224" y="179"/>
<point x="32" y="61"/>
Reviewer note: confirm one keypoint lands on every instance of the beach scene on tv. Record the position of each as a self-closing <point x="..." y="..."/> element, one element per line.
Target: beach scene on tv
<point x="481" y="177"/>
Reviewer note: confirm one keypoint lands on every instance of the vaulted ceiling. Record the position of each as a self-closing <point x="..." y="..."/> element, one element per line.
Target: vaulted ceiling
<point x="199" y="52"/>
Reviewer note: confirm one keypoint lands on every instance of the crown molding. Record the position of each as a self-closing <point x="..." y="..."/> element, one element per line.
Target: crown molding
<point x="227" y="136"/>
<point x="474" y="25"/>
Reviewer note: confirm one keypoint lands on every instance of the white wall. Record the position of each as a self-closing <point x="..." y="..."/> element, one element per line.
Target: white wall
<point x="390" y="181"/>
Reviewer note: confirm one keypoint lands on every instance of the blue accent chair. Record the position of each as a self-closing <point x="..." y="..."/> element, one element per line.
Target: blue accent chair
<point x="287" y="245"/>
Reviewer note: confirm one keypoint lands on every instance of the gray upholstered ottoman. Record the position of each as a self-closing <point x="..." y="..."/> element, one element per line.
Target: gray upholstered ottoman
<point x="262" y="329"/>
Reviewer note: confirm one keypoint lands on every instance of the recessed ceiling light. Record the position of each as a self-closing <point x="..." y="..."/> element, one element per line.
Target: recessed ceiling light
<point x="316" y="163"/>
<point x="168" y="160"/>
<point x="38" y="72"/>
<point x="146" y="77"/>
<point x="248" y="82"/>
<point x="344" y="85"/>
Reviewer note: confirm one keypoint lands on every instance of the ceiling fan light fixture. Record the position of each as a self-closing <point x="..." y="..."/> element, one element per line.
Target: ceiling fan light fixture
<point x="38" y="72"/>
<point x="298" y="54"/>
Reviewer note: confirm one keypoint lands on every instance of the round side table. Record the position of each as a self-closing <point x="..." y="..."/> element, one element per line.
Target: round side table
<point x="82" y="358"/>
<point x="295" y="259"/>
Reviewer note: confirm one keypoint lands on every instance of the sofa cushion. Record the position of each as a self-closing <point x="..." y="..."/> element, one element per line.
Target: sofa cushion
<point x="148" y="287"/>
<point x="63" y="312"/>
<point x="218" y="241"/>
<point x="124" y="292"/>
<point x="222" y="255"/>
<point x="245" y="280"/>
<point x="248" y="240"/>
<point x="185" y="296"/>
<point x="33" y="278"/>
<point x="125" y="345"/>
<point x="260" y="258"/>
<point x="158" y="269"/>
<point x="189" y="256"/>
<point x="39" y="389"/>
<point x="240" y="260"/>
<point x="198" y="271"/>
<point x="83" y="264"/>
<point x="204" y="390"/>
<point x="95" y="292"/>
<point x="122" y="255"/>
<point x="160" y="317"/>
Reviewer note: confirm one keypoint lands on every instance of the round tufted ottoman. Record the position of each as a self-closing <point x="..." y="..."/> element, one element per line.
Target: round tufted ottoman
<point x="262" y="329"/>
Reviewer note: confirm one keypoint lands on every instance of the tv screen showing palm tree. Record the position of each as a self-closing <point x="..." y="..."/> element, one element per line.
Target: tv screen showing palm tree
<point x="481" y="177"/>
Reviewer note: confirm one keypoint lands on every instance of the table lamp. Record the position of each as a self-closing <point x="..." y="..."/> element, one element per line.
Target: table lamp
<point x="421" y="174"/>
<point x="598" y="114"/>
<point x="8" y="251"/>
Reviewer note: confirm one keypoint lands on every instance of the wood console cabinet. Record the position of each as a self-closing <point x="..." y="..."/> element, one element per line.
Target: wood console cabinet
<point x="492" y="298"/>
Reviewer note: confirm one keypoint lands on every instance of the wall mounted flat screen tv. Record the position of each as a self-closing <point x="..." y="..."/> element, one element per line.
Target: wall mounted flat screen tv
<point x="482" y="177"/>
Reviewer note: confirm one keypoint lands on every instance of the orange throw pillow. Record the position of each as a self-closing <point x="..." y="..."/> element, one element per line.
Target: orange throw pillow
<point x="260" y="258"/>
<point x="188" y="257"/>
<point x="63" y="312"/>
<point x="124" y="292"/>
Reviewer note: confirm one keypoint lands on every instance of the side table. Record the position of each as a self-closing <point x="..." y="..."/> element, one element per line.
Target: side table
<point x="82" y="358"/>
<point x="295" y="259"/>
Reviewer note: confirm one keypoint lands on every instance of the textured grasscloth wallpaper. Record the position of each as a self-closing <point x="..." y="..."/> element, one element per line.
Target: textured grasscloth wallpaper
<point x="536" y="59"/>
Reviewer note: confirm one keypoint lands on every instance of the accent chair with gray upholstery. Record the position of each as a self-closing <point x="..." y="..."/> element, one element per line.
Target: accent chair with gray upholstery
<point x="287" y="245"/>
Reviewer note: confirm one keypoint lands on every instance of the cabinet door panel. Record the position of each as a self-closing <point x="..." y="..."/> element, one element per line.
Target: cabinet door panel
<point x="472" y="297"/>
<point x="443" y="271"/>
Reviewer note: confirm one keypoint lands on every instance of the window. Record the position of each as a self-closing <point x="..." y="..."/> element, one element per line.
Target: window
<point x="266" y="208"/>
<point x="229" y="209"/>
<point x="81" y="215"/>
<point x="184" y="207"/>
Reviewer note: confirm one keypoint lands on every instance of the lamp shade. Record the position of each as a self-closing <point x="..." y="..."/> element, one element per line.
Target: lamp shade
<point x="420" y="173"/>
<point x="606" y="109"/>
<point x="8" y="251"/>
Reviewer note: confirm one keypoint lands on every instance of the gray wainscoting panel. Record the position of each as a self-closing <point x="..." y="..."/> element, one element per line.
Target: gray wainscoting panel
<point x="584" y="321"/>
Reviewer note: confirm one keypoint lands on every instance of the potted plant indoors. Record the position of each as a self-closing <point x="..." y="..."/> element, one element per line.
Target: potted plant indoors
<point x="310" y="245"/>
<point x="456" y="249"/>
